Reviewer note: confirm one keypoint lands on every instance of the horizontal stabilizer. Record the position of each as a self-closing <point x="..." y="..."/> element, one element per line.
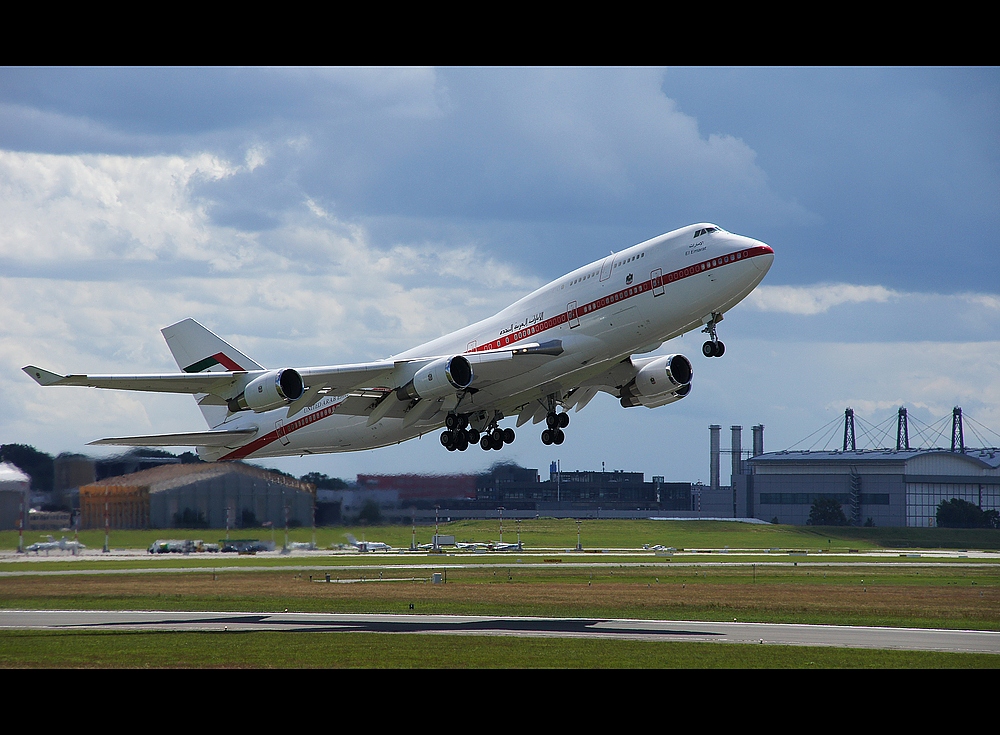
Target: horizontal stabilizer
<point x="230" y="438"/>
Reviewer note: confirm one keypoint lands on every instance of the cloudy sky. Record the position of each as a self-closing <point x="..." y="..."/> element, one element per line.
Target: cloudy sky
<point x="319" y="216"/>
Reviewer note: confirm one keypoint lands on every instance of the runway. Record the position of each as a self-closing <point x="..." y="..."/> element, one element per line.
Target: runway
<point x="913" y="639"/>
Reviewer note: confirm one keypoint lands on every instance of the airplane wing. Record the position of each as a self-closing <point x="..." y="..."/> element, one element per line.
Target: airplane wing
<point x="156" y="382"/>
<point x="233" y="437"/>
<point x="337" y="380"/>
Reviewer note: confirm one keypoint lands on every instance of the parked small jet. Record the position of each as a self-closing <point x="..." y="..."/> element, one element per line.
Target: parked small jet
<point x="62" y="544"/>
<point x="554" y="349"/>
<point x="367" y="545"/>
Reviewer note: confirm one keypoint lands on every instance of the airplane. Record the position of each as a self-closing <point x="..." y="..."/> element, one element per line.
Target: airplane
<point x="62" y="544"/>
<point x="555" y="348"/>
<point x="364" y="546"/>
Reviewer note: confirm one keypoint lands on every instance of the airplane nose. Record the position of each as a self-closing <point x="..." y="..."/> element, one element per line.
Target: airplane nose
<point x="761" y="254"/>
<point x="765" y="258"/>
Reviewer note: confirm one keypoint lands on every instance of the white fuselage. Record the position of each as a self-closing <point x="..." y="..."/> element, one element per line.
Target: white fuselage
<point x="629" y="302"/>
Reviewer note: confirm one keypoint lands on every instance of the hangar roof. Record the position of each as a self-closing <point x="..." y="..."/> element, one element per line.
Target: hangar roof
<point x="983" y="459"/>
<point x="168" y="476"/>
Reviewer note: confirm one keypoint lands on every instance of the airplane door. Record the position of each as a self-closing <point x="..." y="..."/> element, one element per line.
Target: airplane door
<point x="571" y="316"/>
<point x="279" y="426"/>
<point x="656" y="279"/>
<point x="606" y="268"/>
<point x="471" y="347"/>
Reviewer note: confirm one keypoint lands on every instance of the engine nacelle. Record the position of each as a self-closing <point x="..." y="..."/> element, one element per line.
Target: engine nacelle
<point x="438" y="379"/>
<point x="662" y="375"/>
<point x="659" y="382"/>
<point x="273" y="389"/>
<point x="661" y="399"/>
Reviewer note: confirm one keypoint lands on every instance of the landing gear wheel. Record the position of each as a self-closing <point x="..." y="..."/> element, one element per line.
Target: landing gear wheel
<point x="558" y="437"/>
<point x="708" y="349"/>
<point x="461" y="441"/>
<point x="552" y="420"/>
<point x="563" y="420"/>
<point x="508" y="436"/>
<point x="720" y="349"/>
<point x="485" y="442"/>
<point x="547" y="437"/>
<point x="446" y="438"/>
<point x="473" y="436"/>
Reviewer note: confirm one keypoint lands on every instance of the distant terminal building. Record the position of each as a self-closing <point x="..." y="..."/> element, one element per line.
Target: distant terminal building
<point x="518" y="492"/>
<point x="201" y="495"/>
<point x="899" y="487"/>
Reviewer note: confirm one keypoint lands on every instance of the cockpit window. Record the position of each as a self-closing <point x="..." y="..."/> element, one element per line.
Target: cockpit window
<point x="706" y="231"/>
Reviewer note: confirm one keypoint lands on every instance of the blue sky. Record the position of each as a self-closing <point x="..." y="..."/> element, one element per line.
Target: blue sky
<point x="316" y="216"/>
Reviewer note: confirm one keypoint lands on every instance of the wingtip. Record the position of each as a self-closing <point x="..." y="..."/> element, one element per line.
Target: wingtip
<point x="42" y="377"/>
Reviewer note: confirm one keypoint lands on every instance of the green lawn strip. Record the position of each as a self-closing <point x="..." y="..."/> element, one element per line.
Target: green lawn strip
<point x="283" y="650"/>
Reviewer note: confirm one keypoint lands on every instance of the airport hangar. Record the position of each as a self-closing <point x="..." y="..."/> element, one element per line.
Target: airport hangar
<point x="900" y="487"/>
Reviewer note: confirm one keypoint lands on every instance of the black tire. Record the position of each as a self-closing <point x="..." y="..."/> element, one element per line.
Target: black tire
<point x="473" y="436"/>
<point x="485" y="442"/>
<point x="508" y="436"/>
<point x="563" y="420"/>
<point x="451" y="421"/>
<point x="708" y="349"/>
<point x="559" y="437"/>
<point x="461" y="441"/>
<point x="445" y="438"/>
<point x="497" y="445"/>
<point x="720" y="349"/>
<point x="552" y="421"/>
<point x="547" y="437"/>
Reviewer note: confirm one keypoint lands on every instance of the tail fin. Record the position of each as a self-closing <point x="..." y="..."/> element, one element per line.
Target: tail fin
<point x="198" y="350"/>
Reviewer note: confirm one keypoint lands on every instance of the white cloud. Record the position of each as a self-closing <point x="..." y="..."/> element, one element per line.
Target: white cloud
<point x="808" y="300"/>
<point x="311" y="291"/>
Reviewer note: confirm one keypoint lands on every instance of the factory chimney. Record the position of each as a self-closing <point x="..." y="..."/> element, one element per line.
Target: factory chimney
<point x="758" y="440"/>
<point x="714" y="431"/>
<point x="737" y="453"/>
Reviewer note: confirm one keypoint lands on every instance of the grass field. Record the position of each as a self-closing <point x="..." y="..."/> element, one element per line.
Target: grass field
<point x="826" y="585"/>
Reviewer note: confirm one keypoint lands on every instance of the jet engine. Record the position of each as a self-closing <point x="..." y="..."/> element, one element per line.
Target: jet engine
<point x="438" y="379"/>
<point x="273" y="389"/>
<point x="659" y="382"/>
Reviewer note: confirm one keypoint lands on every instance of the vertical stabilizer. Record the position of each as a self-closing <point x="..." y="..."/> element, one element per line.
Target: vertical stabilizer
<point x="198" y="350"/>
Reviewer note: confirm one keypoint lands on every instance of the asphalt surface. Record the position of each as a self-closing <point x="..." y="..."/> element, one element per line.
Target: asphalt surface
<point x="913" y="639"/>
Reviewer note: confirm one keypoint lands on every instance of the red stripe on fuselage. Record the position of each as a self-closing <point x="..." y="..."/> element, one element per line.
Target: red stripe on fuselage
<point x="521" y="334"/>
<point x="262" y="441"/>
<point x="622" y="295"/>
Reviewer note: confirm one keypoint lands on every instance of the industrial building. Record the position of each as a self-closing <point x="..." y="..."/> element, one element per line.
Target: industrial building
<point x="899" y="486"/>
<point x="203" y="495"/>
<point x="15" y="487"/>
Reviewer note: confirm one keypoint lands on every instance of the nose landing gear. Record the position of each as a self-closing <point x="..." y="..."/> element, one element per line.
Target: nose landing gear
<point x="714" y="347"/>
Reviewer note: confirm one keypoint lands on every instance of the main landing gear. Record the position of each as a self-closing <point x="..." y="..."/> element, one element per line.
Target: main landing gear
<point x="714" y="347"/>
<point x="460" y="436"/>
<point x="556" y="423"/>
